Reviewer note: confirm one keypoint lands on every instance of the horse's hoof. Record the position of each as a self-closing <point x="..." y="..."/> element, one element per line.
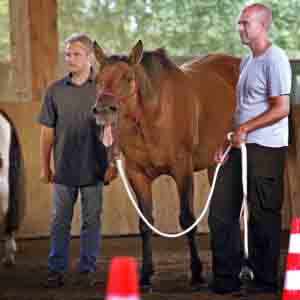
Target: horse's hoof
<point x="198" y="283"/>
<point x="246" y="274"/>
<point x="198" y="287"/>
<point x="8" y="262"/>
<point x="147" y="288"/>
<point x="145" y="284"/>
<point x="145" y="280"/>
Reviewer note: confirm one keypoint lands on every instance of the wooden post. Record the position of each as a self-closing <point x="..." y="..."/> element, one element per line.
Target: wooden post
<point x="293" y="163"/>
<point x="34" y="40"/>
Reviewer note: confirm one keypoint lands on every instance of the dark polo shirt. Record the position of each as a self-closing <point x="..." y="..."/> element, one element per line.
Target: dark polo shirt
<point x="79" y="157"/>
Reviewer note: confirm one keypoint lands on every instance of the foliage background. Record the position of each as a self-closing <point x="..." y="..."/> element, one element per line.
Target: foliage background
<point x="182" y="27"/>
<point x="4" y="30"/>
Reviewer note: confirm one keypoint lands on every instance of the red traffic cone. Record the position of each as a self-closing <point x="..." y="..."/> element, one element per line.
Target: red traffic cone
<point x="291" y="290"/>
<point x="122" y="279"/>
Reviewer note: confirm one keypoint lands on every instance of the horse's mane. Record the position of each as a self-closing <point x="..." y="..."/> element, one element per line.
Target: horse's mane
<point x="115" y="58"/>
<point x="154" y="64"/>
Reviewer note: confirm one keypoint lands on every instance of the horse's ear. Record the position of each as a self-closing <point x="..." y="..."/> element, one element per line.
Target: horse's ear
<point x="99" y="53"/>
<point x="136" y="54"/>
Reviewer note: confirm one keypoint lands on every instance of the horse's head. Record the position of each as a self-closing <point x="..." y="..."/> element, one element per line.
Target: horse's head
<point x="105" y="109"/>
<point x="116" y="84"/>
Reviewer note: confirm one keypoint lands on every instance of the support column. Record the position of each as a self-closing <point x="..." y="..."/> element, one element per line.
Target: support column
<point x="34" y="43"/>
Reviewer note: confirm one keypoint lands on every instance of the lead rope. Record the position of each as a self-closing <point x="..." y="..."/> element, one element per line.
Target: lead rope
<point x="246" y="271"/>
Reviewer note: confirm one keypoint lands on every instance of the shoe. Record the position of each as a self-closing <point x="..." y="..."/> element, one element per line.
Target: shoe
<point x="86" y="279"/>
<point x="224" y="289"/>
<point x="261" y="287"/>
<point x="54" y="279"/>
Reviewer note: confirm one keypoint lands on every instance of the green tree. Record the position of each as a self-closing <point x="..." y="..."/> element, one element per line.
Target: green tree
<point x="182" y="27"/>
<point x="4" y="30"/>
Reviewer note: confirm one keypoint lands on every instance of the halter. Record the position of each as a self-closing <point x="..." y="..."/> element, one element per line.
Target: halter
<point x="123" y="99"/>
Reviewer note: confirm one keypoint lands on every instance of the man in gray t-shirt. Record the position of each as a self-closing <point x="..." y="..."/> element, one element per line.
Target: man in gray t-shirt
<point x="69" y="129"/>
<point x="262" y="77"/>
<point x="261" y="121"/>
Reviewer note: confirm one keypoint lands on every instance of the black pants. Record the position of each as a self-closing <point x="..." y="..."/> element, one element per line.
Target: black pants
<point x="265" y="196"/>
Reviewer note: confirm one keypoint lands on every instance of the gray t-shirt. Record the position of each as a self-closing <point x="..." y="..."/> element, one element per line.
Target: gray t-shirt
<point x="261" y="77"/>
<point x="79" y="157"/>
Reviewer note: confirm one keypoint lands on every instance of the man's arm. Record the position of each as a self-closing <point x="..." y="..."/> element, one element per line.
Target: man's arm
<point x="279" y="108"/>
<point x="46" y="144"/>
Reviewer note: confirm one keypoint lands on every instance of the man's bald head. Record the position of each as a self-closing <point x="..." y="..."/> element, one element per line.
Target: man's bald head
<point x="262" y="12"/>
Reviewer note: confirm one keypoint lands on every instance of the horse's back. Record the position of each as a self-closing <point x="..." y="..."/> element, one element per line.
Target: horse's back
<point x="214" y="79"/>
<point x="225" y="66"/>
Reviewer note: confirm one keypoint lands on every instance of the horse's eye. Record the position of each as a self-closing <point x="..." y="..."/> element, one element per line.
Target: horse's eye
<point x="113" y="108"/>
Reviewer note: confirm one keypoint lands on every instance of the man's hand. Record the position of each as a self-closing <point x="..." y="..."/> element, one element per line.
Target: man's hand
<point x="46" y="176"/>
<point x="219" y="154"/>
<point x="239" y="137"/>
<point x="111" y="173"/>
<point x="46" y="142"/>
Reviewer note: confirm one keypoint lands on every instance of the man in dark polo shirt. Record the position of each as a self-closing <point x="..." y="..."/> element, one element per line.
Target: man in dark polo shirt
<point x="68" y="127"/>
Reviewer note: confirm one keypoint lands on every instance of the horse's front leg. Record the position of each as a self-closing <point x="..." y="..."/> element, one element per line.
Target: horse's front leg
<point x="142" y="187"/>
<point x="185" y="185"/>
<point x="10" y="249"/>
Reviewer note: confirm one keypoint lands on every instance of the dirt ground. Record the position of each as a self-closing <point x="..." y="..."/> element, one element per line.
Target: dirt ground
<point x="24" y="281"/>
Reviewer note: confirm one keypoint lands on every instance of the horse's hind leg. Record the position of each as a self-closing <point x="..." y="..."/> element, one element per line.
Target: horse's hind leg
<point x="10" y="249"/>
<point x="185" y="186"/>
<point x="142" y="187"/>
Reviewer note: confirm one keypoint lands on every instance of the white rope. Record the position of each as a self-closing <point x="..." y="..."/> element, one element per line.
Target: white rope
<point x="244" y="210"/>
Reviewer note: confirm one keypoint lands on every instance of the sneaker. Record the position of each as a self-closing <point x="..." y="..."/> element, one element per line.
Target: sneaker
<point x="86" y="279"/>
<point x="225" y="289"/>
<point x="54" y="280"/>
<point x="261" y="287"/>
<point x="217" y="288"/>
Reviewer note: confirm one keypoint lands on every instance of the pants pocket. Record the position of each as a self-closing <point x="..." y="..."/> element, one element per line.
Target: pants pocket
<point x="269" y="193"/>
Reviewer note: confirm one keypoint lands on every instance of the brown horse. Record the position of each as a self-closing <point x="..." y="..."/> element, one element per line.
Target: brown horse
<point x="167" y="120"/>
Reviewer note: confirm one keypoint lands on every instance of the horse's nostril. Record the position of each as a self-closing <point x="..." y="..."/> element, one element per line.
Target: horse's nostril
<point x="113" y="108"/>
<point x="94" y="109"/>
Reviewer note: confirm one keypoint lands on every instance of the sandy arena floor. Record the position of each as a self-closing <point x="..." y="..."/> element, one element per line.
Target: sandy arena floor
<point x="24" y="281"/>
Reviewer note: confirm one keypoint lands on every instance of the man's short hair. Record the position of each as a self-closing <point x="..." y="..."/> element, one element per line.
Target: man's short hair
<point x="264" y="12"/>
<point x="82" y="38"/>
